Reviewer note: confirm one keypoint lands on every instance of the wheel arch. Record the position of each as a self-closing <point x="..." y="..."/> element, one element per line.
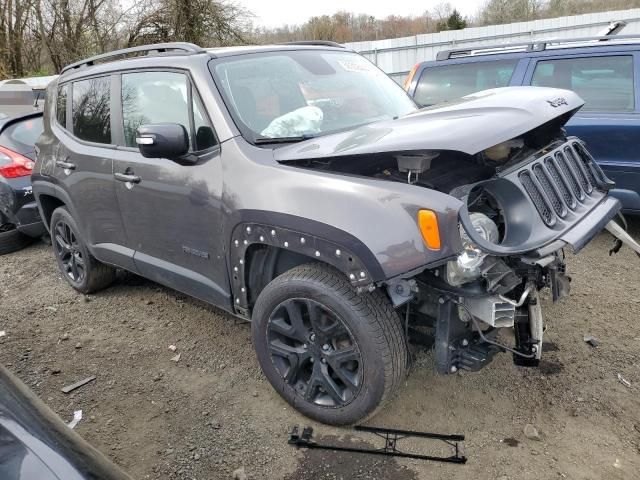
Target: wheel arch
<point x="47" y="204"/>
<point x="260" y="250"/>
<point x="49" y="197"/>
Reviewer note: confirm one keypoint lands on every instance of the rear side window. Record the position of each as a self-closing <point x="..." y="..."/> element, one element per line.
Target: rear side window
<point x="604" y="83"/>
<point x="448" y="82"/>
<point x="92" y="110"/>
<point x="61" y="106"/>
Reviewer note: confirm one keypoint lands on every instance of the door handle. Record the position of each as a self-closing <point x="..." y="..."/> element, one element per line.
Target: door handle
<point x="123" y="177"/>
<point x="66" y="165"/>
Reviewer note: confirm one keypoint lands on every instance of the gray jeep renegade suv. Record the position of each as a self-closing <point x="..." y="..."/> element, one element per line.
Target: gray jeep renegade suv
<point x="298" y="187"/>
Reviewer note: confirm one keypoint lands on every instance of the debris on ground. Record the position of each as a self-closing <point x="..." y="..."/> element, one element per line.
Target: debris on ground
<point x="624" y="381"/>
<point x="172" y="348"/>
<point x="77" y="416"/>
<point x="512" y="442"/>
<point x="3" y="333"/>
<point x="176" y="358"/>
<point x="239" y="474"/>
<point x="591" y="340"/>
<point x="73" y="386"/>
<point x="531" y="432"/>
<point x="78" y="346"/>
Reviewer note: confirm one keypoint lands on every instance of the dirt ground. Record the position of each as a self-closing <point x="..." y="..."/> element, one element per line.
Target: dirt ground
<point x="213" y="412"/>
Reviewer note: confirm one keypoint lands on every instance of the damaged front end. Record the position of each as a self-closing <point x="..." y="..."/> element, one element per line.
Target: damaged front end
<point x="514" y="228"/>
<point x="527" y="193"/>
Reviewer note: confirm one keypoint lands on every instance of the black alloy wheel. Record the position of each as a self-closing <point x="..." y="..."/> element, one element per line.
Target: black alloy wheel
<point x="68" y="251"/>
<point x="79" y="268"/>
<point x="334" y="354"/>
<point x="312" y="349"/>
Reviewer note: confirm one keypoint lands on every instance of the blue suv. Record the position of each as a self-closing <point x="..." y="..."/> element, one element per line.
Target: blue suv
<point x="601" y="70"/>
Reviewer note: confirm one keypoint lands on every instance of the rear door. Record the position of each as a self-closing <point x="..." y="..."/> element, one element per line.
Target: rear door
<point x="609" y="121"/>
<point x="83" y="166"/>
<point x="172" y="215"/>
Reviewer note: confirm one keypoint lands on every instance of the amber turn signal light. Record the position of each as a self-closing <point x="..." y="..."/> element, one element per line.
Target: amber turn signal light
<point x="428" y="223"/>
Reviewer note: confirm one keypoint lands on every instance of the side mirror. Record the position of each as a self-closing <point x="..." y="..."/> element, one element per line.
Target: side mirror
<point x="162" y="140"/>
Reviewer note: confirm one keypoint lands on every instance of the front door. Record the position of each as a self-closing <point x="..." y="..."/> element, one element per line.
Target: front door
<point x="172" y="210"/>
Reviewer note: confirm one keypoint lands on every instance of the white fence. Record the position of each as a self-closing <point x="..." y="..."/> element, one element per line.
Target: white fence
<point x="397" y="56"/>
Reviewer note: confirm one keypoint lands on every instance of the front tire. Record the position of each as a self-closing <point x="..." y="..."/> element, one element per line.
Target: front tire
<point x="335" y="355"/>
<point x="78" y="267"/>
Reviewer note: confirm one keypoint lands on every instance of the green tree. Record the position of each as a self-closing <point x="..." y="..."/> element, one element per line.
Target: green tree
<point x="455" y="21"/>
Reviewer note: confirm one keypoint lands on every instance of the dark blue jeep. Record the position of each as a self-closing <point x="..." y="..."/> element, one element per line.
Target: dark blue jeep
<point x="601" y="70"/>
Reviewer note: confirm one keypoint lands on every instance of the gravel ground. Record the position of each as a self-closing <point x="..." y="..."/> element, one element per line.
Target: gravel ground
<point x="212" y="412"/>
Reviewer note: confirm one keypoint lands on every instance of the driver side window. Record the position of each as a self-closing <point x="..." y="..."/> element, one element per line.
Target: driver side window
<point x="164" y="97"/>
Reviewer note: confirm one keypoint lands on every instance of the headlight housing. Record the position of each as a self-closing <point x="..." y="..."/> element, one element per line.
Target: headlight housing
<point x="466" y="267"/>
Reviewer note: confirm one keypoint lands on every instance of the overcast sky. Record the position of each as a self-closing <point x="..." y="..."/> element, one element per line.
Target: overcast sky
<point x="274" y="13"/>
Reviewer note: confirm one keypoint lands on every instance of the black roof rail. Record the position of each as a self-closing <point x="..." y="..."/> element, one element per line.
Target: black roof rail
<point x="319" y="43"/>
<point x="183" y="47"/>
<point x="534" y="46"/>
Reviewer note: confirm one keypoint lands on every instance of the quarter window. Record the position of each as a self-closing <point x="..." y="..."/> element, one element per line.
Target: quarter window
<point x="604" y="83"/>
<point x="61" y="106"/>
<point x="449" y="82"/>
<point x="204" y="136"/>
<point x="91" y="110"/>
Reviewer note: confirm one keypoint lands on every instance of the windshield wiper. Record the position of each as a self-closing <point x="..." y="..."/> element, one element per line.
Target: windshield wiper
<point x="264" y="140"/>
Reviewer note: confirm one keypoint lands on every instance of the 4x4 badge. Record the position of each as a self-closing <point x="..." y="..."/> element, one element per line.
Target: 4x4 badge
<point x="557" y="102"/>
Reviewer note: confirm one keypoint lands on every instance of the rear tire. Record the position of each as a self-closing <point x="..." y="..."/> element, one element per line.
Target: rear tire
<point x="78" y="267"/>
<point x="11" y="240"/>
<point x="334" y="354"/>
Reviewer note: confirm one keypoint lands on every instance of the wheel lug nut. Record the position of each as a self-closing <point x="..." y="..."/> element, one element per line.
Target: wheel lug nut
<point x="324" y="360"/>
<point x="312" y="337"/>
<point x="304" y="345"/>
<point x="325" y="347"/>
<point x="311" y="359"/>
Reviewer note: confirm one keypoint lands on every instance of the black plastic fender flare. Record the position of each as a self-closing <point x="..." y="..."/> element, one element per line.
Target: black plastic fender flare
<point x="307" y="237"/>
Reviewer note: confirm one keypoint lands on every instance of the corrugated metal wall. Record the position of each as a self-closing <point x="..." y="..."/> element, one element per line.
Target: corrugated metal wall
<point x="396" y="56"/>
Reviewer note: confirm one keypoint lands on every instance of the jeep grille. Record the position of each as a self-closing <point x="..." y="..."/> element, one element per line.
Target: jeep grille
<point x="558" y="182"/>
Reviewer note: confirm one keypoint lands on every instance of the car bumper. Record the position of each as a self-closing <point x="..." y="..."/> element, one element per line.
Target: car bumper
<point x="18" y="206"/>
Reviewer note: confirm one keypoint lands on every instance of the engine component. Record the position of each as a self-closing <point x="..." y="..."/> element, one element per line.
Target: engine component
<point x="537" y="324"/>
<point x="499" y="276"/>
<point x="414" y="165"/>
<point x="491" y="310"/>
<point x="528" y="330"/>
<point x="500" y="153"/>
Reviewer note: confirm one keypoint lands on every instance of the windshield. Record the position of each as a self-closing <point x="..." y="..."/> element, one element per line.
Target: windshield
<point x="306" y="93"/>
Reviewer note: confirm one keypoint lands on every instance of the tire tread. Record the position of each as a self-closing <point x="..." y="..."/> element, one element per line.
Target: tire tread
<point x="13" y="240"/>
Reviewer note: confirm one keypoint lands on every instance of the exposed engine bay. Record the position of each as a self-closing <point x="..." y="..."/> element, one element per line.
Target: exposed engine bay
<point x="522" y="199"/>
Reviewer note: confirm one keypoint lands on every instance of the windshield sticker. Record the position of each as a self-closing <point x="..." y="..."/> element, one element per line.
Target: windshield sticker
<point x="354" y="66"/>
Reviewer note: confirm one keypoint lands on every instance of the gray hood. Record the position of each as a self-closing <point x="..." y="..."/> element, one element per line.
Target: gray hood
<point x="470" y="125"/>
